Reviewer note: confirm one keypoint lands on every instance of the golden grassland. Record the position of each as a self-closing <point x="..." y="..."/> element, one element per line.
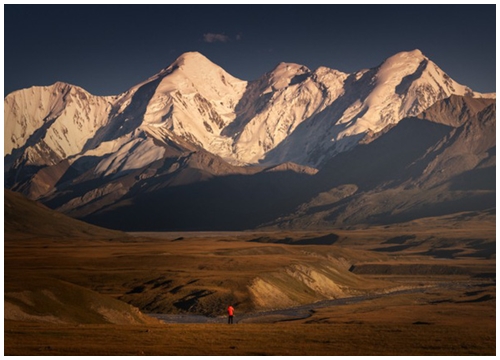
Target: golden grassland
<point x="70" y="296"/>
<point x="337" y="338"/>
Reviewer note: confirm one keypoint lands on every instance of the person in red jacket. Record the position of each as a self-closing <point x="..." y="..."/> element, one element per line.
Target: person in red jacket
<point x="230" y="314"/>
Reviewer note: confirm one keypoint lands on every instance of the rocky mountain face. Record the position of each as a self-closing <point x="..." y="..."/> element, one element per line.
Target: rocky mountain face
<point x="193" y="147"/>
<point x="419" y="168"/>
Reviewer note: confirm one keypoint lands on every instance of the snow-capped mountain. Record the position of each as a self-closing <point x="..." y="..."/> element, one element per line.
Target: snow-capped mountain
<point x="290" y="114"/>
<point x="49" y="124"/>
<point x="82" y="153"/>
<point x="370" y="100"/>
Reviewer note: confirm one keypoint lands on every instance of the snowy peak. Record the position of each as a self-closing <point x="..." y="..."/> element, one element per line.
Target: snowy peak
<point x="290" y="114"/>
<point x="138" y="153"/>
<point x="191" y="58"/>
<point x="198" y="69"/>
<point x="194" y="100"/>
<point x="403" y="85"/>
<point x="396" y="68"/>
<point x="369" y="101"/>
<point x="277" y="104"/>
<point x="55" y="119"/>
<point x="415" y="69"/>
<point x="287" y="74"/>
<point x="404" y="57"/>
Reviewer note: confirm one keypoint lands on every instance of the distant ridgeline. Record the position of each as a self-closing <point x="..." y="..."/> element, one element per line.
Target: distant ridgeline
<point x="194" y="148"/>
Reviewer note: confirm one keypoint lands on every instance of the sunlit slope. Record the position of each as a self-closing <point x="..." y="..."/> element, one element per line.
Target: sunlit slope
<point x="39" y="299"/>
<point x="33" y="289"/>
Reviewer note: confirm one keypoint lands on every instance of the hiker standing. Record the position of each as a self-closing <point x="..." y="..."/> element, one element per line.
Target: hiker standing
<point x="230" y="314"/>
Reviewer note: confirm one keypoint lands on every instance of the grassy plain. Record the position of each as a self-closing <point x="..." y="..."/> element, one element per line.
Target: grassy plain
<point x="66" y="295"/>
<point x="248" y="339"/>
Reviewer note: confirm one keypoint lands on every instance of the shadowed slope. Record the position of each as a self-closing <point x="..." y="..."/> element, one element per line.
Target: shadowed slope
<point x="25" y="218"/>
<point x="419" y="168"/>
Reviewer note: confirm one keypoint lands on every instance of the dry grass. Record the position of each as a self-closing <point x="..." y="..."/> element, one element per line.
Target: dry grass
<point x="248" y="339"/>
<point x="199" y="274"/>
<point x="203" y="272"/>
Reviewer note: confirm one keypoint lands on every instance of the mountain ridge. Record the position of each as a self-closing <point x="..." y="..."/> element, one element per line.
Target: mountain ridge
<point x="193" y="125"/>
<point x="200" y="114"/>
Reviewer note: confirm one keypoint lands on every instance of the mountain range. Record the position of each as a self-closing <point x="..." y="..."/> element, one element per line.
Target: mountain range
<point x="193" y="147"/>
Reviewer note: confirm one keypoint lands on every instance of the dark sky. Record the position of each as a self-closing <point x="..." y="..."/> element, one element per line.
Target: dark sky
<point x="106" y="49"/>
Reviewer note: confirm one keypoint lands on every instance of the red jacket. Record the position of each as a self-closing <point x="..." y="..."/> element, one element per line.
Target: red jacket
<point x="230" y="310"/>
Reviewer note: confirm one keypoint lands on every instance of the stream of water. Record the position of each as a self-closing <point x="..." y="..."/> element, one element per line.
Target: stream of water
<point x="291" y="313"/>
